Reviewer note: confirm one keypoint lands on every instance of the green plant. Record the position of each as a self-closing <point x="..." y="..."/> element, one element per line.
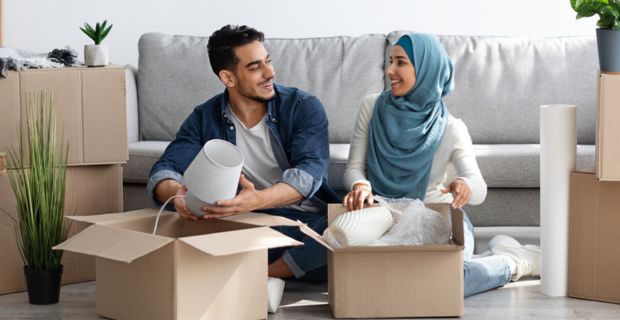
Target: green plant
<point x="98" y="33"/>
<point x="37" y="172"/>
<point x="607" y="10"/>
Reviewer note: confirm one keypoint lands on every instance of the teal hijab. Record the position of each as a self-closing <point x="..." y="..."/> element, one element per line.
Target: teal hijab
<point x="405" y="132"/>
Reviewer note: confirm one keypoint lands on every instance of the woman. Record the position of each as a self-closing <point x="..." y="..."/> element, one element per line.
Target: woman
<point x="403" y="141"/>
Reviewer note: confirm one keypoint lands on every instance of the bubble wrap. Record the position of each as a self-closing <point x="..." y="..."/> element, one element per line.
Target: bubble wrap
<point x="414" y="224"/>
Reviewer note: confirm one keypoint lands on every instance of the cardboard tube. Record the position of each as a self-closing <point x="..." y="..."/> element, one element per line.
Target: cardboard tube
<point x="558" y="152"/>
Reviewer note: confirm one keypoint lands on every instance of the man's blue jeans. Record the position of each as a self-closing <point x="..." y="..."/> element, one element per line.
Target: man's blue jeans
<point x="307" y="262"/>
<point x="481" y="274"/>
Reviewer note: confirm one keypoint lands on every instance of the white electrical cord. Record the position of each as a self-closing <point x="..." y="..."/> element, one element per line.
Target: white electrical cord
<point x="162" y="209"/>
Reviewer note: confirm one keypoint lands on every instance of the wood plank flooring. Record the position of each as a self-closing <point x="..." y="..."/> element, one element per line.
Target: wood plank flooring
<point x="518" y="300"/>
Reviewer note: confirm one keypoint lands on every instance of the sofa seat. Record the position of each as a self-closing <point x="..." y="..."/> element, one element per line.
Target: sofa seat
<point x="520" y="164"/>
<point x="142" y="156"/>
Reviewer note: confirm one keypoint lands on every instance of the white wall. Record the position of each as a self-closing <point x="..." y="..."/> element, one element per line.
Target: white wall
<point x="42" y="25"/>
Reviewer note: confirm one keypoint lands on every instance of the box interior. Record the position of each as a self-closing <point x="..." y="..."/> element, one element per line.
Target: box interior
<point x="171" y="225"/>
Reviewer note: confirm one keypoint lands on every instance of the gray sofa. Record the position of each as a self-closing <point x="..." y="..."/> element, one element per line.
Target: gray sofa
<point x="500" y="83"/>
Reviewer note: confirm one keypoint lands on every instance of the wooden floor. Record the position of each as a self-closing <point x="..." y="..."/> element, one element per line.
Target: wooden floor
<point x="518" y="300"/>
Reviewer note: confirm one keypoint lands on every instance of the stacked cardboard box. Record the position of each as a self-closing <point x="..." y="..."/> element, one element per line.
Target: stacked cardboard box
<point x="594" y="214"/>
<point x="90" y="110"/>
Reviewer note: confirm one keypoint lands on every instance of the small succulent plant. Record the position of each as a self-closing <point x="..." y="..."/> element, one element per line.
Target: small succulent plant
<point x="99" y="32"/>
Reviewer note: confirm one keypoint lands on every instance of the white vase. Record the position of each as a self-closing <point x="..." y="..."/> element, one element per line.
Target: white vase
<point x="358" y="227"/>
<point x="96" y="55"/>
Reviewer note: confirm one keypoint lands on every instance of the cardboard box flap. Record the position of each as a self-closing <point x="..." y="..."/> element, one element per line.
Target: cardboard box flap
<point x="238" y="241"/>
<point x="113" y="243"/>
<point x="263" y="219"/>
<point x="314" y="235"/>
<point x="117" y="217"/>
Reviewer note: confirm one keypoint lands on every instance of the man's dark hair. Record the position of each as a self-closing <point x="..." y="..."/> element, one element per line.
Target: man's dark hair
<point x="223" y="42"/>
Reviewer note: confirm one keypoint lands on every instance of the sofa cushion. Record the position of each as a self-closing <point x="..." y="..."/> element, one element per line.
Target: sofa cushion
<point x="338" y="158"/>
<point x="518" y="165"/>
<point x="174" y="76"/>
<point x="340" y="71"/>
<point x="500" y="82"/>
<point x="142" y="156"/>
<point x="502" y="166"/>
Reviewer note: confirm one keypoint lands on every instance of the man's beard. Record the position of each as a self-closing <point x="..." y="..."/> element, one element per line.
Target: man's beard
<point x="261" y="99"/>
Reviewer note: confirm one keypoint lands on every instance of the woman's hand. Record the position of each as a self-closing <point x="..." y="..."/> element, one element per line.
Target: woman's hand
<point x="460" y="191"/>
<point x="355" y="199"/>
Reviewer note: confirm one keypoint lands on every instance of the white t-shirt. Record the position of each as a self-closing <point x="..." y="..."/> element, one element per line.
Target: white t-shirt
<point x="455" y="148"/>
<point x="259" y="164"/>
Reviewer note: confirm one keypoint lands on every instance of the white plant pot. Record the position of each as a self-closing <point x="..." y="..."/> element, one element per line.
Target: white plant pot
<point x="96" y="55"/>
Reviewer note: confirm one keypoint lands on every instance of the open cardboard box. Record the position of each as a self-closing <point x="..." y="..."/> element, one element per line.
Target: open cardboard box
<point x="396" y="281"/>
<point x="206" y="269"/>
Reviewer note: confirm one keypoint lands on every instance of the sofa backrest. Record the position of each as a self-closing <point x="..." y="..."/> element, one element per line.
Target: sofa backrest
<point x="500" y="82"/>
<point x="174" y="76"/>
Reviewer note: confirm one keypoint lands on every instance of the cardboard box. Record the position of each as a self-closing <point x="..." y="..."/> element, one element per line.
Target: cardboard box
<point x="89" y="103"/>
<point x="206" y="269"/>
<point x="593" y="250"/>
<point x="396" y="281"/>
<point x="2" y="163"/>
<point x="607" y="129"/>
<point x="90" y="190"/>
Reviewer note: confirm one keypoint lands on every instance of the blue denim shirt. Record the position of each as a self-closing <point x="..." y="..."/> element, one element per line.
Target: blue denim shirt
<point x="298" y="129"/>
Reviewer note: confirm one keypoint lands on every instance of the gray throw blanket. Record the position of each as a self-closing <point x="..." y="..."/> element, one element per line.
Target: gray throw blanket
<point x="13" y="60"/>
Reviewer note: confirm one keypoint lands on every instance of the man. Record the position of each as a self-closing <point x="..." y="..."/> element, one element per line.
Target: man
<point x="282" y="133"/>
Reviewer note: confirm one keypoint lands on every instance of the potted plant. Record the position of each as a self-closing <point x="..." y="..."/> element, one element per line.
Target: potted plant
<point x="96" y="55"/>
<point x="607" y="33"/>
<point x="37" y="172"/>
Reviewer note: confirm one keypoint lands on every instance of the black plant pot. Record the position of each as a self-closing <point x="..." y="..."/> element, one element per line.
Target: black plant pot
<point x="608" y="42"/>
<point x="43" y="285"/>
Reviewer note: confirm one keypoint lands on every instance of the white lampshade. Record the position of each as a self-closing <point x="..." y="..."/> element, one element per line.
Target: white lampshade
<point x="213" y="175"/>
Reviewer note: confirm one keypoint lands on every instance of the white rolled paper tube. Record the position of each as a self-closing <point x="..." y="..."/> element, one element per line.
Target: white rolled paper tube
<point x="558" y="153"/>
<point x="213" y="175"/>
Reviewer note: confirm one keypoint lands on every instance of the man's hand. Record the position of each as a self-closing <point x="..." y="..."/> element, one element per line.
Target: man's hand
<point x="179" y="204"/>
<point x="460" y="191"/>
<point x="247" y="200"/>
<point x="168" y="188"/>
<point x="355" y="199"/>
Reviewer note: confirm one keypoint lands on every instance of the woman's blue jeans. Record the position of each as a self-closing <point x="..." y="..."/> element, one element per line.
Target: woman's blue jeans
<point x="481" y="274"/>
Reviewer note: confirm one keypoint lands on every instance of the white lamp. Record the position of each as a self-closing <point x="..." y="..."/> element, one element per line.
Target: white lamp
<point x="213" y="175"/>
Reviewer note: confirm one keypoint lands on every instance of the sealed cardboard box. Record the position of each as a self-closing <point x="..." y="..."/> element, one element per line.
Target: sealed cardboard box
<point x="90" y="190"/>
<point x="206" y="269"/>
<point x="90" y="108"/>
<point x="396" y="281"/>
<point x="607" y="129"/>
<point x="593" y="256"/>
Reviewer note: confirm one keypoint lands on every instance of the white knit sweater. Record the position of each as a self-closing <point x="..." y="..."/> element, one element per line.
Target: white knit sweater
<point x="455" y="148"/>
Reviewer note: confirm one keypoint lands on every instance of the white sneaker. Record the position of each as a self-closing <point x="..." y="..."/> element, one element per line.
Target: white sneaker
<point x="527" y="257"/>
<point x="275" y="289"/>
